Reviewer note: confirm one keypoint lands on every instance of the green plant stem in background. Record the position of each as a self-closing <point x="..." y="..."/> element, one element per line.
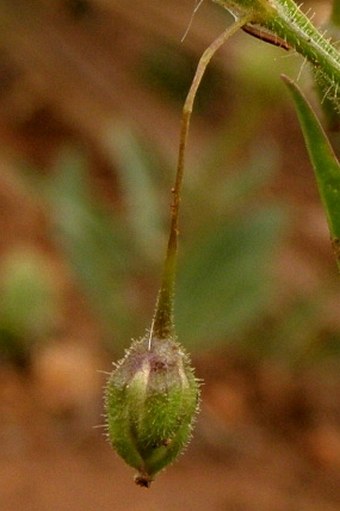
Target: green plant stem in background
<point x="335" y="15"/>
<point x="163" y="322"/>
<point x="283" y="23"/>
<point x="324" y="161"/>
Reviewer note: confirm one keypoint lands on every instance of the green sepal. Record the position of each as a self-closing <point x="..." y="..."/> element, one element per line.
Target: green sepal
<point x="151" y="401"/>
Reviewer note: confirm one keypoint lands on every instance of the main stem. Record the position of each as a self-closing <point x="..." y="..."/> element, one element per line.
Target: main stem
<point x="163" y="322"/>
<point x="295" y="27"/>
<point x="285" y="20"/>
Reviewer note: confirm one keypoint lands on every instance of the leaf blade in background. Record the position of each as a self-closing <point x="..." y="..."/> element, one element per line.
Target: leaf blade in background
<point x="141" y="197"/>
<point x="96" y="244"/>
<point x="224" y="283"/>
<point x="30" y="303"/>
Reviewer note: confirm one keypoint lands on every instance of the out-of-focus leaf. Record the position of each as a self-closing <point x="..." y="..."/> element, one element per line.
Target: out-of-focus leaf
<point x="29" y="309"/>
<point x="224" y="283"/>
<point x="236" y="189"/>
<point x="141" y="198"/>
<point x="28" y="293"/>
<point x="324" y="161"/>
<point x="96" y="244"/>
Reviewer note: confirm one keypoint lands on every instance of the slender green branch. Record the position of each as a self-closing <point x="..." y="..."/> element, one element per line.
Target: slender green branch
<point x="163" y="323"/>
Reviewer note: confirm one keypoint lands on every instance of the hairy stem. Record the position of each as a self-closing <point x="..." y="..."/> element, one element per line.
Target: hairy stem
<point x="284" y="19"/>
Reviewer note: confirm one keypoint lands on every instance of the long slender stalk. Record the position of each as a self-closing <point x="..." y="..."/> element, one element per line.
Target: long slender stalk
<point x="163" y="322"/>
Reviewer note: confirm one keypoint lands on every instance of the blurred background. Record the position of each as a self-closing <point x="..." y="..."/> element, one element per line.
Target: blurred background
<point x="91" y="93"/>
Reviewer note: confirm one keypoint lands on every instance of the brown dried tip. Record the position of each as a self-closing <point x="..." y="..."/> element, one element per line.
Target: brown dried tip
<point x="143" y="480"/>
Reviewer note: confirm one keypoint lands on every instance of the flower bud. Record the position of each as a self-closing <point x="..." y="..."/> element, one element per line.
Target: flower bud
<point x="151" y="401"/>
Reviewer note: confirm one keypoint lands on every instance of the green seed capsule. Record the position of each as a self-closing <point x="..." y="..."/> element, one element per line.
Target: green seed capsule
<point x="151" y="401"/>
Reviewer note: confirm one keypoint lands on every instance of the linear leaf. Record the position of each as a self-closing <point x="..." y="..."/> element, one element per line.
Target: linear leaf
<point x="325" y="164"/>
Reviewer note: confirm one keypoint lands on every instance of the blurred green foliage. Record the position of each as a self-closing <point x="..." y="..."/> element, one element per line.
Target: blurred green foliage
<point x="229" y="240"/>
<point x="29" y="309"/>
<point x="225" y="282"/>
<point x="98" y="246"/>
<point x="224" y="279"/>
<point x="116" y="256"/>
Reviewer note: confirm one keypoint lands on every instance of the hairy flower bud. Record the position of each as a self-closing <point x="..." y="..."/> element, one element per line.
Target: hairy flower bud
<point x="151" y="401"/>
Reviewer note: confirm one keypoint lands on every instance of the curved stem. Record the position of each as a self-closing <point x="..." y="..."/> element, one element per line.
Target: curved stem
<point x="163" y="323"/>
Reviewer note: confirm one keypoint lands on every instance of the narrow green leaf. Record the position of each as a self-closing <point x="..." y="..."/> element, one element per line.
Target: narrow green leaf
<point x="325" y="164"/>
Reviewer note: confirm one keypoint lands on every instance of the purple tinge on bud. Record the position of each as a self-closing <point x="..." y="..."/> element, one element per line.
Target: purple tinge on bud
<point x="151" y="401"/>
